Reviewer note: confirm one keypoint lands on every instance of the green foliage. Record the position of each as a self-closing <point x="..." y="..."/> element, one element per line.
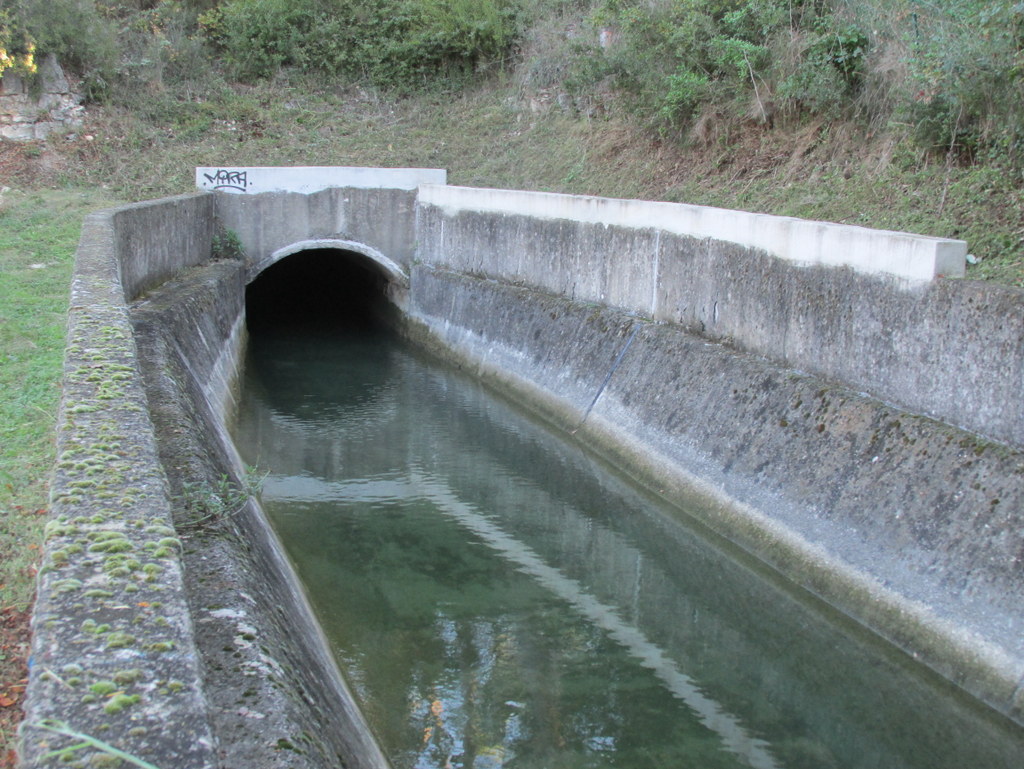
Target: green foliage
<point x="674" y="56"/>
<point x="683" y="93"/>
<point x="77" y="31"/>
<point x="257" y="37"/>
<point x="17" y="48"/>
<point x="952" y="70"/>
<point x="829" y="68"/>
<point x="227" y="245"/>
<point x="967" y="69"/>
<point x="393" y="43"/>
<point x="118" y="49"/>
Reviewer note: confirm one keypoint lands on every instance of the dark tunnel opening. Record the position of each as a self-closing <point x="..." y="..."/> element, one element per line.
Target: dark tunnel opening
<point x="320" y="290"/>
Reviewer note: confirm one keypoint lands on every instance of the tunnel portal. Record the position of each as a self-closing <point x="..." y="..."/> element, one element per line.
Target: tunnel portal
<point x="320" y="288"/>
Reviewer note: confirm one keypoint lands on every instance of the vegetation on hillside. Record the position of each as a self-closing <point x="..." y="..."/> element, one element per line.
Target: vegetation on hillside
<point x="950" y="72"/>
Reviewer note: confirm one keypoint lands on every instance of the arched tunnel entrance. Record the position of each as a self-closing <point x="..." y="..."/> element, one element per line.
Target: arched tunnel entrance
<point x="320" y="290"/>
<point x="325" y="309"/>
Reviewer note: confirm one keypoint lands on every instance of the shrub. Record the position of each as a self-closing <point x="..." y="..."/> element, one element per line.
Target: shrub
<point x="827" y="70"/>
<point x="17" y="48"/>
<point x="673" y="56"/>
<point x="118" y="48"/>
<point x="393" y="43"/>
<point x="683" y="93"/>
<point x="967" y="69"/>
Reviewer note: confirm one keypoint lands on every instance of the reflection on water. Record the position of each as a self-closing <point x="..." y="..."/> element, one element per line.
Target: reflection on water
<point x="496" y="598"/>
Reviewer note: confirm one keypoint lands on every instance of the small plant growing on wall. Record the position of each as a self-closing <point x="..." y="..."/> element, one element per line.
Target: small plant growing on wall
<point x="227" y="245"/>
<point x="207" y="502"/>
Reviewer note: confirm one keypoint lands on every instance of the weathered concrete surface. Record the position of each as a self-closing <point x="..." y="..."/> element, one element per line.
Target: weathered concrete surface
<point x="156" y="239"/>
<point x="906" y="524"/>
<point x="257" y="179"/>
<point x="185" y="642"/>
<point x="267" y="225"/>
<point x="113" y="652"/>
<point x="953" y="350"/>
<point x="276" y="695"/>
<point x="800" y="241"/>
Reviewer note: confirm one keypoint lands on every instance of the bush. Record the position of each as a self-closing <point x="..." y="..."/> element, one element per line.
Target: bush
<point x="829" y="68"/>
<point x="683" y="93"/>
<point x="17" y="49"/>
<point x="967" y="69"/>
<point x="258" y="37"/>
<point x="74" y="30"/>
<point x="118" y="48"/>
<point x="393" y="43"/>
<point x="674" y="56"/>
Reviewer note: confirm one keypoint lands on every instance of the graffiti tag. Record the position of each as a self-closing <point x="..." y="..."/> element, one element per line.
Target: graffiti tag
<point x="224" y="179"/>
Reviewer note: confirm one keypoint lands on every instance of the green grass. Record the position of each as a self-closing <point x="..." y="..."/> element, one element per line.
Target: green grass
<point x="38" y="234"/>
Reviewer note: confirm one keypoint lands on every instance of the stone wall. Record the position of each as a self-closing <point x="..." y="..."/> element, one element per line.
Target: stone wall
<point x="31" y="114"/>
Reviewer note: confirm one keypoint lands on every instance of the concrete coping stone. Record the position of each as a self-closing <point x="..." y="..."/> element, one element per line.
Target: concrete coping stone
<point x="306" y="179"/>
<point x="913" y="258"/>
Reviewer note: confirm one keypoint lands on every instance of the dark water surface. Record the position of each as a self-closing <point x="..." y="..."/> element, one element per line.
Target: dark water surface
<point x="495" y="597"/>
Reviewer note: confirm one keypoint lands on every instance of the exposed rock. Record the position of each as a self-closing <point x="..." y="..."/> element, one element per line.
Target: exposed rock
<point x="52" y="75"/>
<point x="11" y="84"/>
<point x="26" y="116"/>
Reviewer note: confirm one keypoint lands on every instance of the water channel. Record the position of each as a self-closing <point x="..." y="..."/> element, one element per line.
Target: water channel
<point x="495" y="596"/>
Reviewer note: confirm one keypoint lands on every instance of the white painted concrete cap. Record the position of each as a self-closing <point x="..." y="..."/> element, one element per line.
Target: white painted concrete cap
<point x="305" y="179"/>
<point x="911" y="257"/>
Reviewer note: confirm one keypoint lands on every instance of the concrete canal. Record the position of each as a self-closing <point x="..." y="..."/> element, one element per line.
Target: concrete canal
<point x="496" y="596"/>
<point x="834" y="419"/>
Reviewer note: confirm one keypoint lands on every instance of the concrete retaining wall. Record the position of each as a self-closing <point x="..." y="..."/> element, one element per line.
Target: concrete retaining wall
<point x="158" y="571"/>
<point x="156" y="239"/>
<point x="953" y="350"/>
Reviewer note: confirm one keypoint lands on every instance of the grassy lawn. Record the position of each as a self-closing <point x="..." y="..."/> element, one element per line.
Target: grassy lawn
<point x="38" y="234"/>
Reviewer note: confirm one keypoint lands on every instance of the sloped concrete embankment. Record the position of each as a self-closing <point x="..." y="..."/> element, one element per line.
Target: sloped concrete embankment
<point x="168" y="623"/>
<point x="904" y="522"/>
